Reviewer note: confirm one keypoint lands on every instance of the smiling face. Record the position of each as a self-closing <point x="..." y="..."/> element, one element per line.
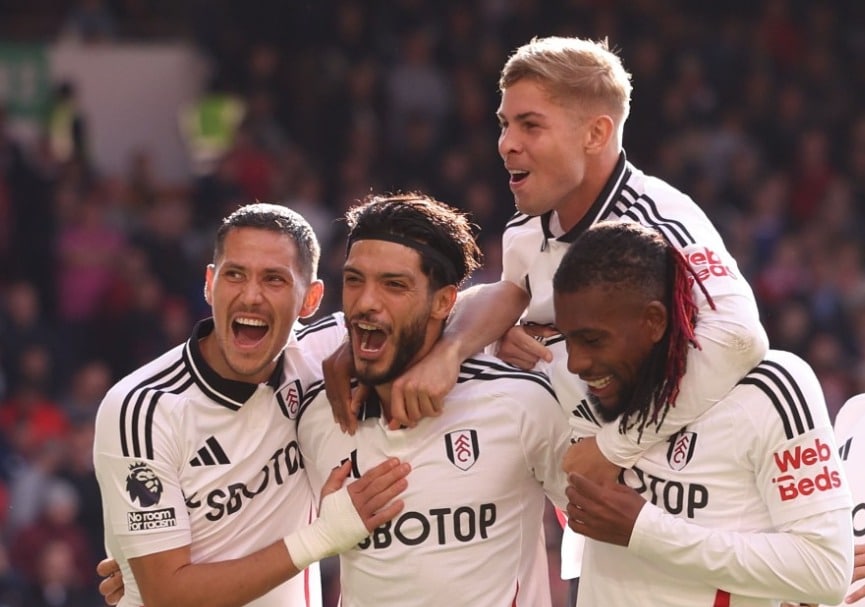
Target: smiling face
<point x="609" y="335"/>
<point x="543" y="146"/>
<point x="392" y="315"/>
<point x="257" y="292"/>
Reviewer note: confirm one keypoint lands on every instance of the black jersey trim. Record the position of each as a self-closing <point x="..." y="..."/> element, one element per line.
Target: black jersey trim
<point x="321" y="324"/>
<point x="518" y="219"/>
<point x="312" y="390"/>
<point x="645" y="210"/>
<point x="782" y="389"/>
<point x="139" y="406"/>
<point x="485" y="370"/>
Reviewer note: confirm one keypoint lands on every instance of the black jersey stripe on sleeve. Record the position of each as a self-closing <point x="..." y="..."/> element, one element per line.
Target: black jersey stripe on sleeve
<point x="312" y="390"/>
<point x="485" y="370"/>
<point x="321" y="324"/>
<point x="137" y="409"/>
<point x="517" y="219"/>
<point x="645" y="211"/>
<point x="785" y="394"/>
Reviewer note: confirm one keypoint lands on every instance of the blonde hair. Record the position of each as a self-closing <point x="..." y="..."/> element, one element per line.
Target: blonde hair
<point x="573" y="71"/>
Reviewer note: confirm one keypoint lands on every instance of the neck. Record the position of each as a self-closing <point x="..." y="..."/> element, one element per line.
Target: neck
<point x="598" y="171"/>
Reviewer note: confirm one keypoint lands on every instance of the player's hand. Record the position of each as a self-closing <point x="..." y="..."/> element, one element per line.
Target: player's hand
<point x="521" y="346"/>
<point x="858" y="573"/>
<point x="606" y="513"/>
<point x="111" y="587"/>
<point x="338" y="369"/>
<point x="420" y="391"/>
<point x="585" y="458"/>
<point x="373" y="494"/>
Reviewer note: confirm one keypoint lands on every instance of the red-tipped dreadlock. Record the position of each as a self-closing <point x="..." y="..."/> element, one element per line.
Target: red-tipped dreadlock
<point x="683" y="319"/>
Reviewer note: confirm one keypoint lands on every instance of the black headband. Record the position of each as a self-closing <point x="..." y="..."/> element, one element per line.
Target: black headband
<point x="450" y="277"/>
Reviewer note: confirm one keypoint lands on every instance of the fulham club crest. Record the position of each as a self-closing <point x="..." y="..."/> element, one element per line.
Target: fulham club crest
<point x="681" y="449"/>
<point x="462" y="448"/>
<point x="290" y="401"/>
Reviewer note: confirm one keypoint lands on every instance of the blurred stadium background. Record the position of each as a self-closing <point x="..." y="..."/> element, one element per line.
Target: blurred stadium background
<point x="129" y="127"/>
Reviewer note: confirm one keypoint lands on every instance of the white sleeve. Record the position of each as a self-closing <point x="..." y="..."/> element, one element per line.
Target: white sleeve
<point x="732" y="341"/>
<point x="809" y="560"/>
<point x="144" y="509"/>
<point x="545" y="436"/>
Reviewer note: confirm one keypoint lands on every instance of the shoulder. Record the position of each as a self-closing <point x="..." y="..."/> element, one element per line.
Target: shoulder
<point x="655" y="203"/>
<point x="785" y="388"/>
<point x="167" y="373"/>
<point x="325" y="333"/>
<point x="485" y="372"/>
<point x="521" y="226"/>
<point x="851" y="412"/>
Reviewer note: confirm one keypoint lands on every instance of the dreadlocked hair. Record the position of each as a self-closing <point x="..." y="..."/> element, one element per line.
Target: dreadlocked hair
<point x="630" y="255"/>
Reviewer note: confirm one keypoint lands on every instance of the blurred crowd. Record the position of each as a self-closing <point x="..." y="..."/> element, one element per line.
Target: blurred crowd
<point x="753" y="108"/>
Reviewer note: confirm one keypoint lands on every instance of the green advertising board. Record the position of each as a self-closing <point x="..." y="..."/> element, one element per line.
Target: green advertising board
<point x="25" y="85"/>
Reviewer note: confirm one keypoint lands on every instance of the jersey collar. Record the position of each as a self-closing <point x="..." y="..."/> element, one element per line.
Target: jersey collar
<point x="598" y="209"/>
<point x="227" y="392"/>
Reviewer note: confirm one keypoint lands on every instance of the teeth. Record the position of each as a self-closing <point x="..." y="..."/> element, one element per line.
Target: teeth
<point x="597" y="384"/>
<point x="252" y="322"/>
<point x="519" y="173"/>
<point x="366" y="327"/>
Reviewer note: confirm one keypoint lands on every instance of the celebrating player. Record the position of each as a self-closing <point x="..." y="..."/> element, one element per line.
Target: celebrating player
<point x="203" y="486"/>
<point x="472" y="529"/>
<point x="746" y="505"/>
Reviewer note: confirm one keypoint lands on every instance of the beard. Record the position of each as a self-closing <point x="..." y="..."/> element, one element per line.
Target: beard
<point x="408" y="344"/>
<point x="636" y="397"/>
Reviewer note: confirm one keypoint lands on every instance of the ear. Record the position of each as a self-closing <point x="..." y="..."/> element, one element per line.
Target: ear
<point x="208" y="283"/>
<point x="599" y="130"/>
<point x="443" y="302"/>
<point x="655" y="320"/>
<point x="312" y="299"/>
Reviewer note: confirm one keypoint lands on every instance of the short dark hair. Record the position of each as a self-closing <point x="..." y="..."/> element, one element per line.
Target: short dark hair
<point x="275" y="218"/>
<point x="442" y="235"/>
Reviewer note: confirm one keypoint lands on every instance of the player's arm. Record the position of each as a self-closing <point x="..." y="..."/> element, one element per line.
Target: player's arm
<point x="481" y="315"/>
<point x="807" y="560"/>
<point x="347" y="515"/>
<point x="731" y="342"/>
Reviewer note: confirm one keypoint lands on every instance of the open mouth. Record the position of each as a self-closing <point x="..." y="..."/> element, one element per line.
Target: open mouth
<point x="518" y="177"/>
<point x="371" y="338"/>
<point x="249" y="331"/>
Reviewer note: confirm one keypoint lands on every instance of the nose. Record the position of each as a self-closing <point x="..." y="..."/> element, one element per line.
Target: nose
<point x="578" y="361"/>
<point x="367" y="299"/>
<point x="252" y="293"/>
<point x="507" y="142"/>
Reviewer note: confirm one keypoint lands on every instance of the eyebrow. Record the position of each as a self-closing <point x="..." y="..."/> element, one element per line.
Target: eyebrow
<point x="521" y="116"/>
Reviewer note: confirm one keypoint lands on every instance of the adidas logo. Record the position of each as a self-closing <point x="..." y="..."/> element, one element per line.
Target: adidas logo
<point x="211" y="454"/>
<point x="844" y="451"/>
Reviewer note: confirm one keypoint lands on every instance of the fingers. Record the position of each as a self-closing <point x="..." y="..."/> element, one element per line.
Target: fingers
<point x="106" y="567"/>
<point x="373" y="495"/>
<point x="111" y="588"/>
<point x="358" y="397"/>
<point x="413" y="400"/>
<point x="521" y="349"/>
<point x="336" y="478"/>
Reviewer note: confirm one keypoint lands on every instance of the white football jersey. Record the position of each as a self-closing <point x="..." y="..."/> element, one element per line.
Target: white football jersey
<point x="757" y="464"/>
<point x="186" y="457"/>
<point x="471" y="532"/>
<point x="729" y="331"/>
<point x="850" y="434"/>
